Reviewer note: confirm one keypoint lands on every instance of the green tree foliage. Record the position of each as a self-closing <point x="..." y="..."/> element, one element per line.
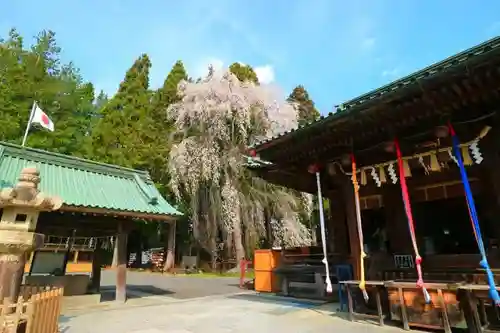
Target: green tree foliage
<point x="244" y="72"/>
<point x="36" y="74"/>
<point x="306" y="108"/>
<point x="122" y="134"/>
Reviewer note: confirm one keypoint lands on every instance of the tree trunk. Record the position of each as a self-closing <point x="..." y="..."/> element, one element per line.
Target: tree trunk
<point x="170" y="259"/>
<point x="238" y="244"/>
<point x="115" y="254"/>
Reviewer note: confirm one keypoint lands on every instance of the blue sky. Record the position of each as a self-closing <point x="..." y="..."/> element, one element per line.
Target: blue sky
<point x="336" y="49"/>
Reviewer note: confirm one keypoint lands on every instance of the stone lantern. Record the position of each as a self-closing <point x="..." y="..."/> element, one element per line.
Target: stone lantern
<point x="20" y="207"/>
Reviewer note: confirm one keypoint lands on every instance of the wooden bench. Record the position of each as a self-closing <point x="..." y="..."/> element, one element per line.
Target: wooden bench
<point x="304" y="277"/>
<point x="376" y="287"/>
<point x="473" y="298"/>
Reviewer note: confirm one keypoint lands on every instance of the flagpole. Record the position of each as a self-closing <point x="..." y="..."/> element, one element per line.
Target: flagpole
<point x="29" y="124"/>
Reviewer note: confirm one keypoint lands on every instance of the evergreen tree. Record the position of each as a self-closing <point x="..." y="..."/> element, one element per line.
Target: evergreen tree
<point x="121" y="135"/>
<point x="36" y="74"/>
<point x="306" y="108"/>
<point x="161" y="126"/>
<point x="244" y="72"/>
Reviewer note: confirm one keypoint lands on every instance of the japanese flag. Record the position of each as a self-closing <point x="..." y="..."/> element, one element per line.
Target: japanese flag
<point x="41" y="118"/>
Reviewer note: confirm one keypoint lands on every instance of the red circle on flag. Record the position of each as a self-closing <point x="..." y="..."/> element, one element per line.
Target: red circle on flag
<point x="45" y="119"/>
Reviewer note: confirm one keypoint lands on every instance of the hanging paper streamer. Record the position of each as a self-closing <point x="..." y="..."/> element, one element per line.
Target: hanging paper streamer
<point x="407" y="169"/>
<point x="474" y="219"/>
<point x="329" y="288"/>
<point x="467" y="160"/>
<point x="421" y="161"/>
<point x="381" y="172"/>
<point x="452" y="157"/>
<point x="411" y="226"/>
<point x="392" y="173"/>
<point x="363" y="177"/>
<point x="375" y="178"/>
<point x="434" y="165"/>
<point x="355" y="184"/>
<point x="476" y="153"/>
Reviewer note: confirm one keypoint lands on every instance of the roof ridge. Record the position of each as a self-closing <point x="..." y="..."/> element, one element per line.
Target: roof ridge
<point x="69" y="161"/>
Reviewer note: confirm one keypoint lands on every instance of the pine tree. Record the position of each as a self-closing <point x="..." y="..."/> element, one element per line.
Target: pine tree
<point x="121" y="135"/>
<point x="306" y="108"/>
<point x="244" y="72"/>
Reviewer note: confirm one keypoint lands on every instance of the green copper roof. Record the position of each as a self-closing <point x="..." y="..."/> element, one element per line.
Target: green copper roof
<point x="487" y="48"/>
<point x="85" y="183"/>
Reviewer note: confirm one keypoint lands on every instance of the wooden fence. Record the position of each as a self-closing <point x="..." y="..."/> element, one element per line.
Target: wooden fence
<point x="37" y="310"/>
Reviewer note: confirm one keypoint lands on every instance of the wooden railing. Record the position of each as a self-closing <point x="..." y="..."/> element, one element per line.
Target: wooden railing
<point x="36" y="311"/>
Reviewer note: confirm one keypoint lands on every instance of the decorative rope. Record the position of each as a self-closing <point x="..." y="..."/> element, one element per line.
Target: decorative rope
<point x="362" y="282"/>
<point x="469" y="198"/>
<point x="328" y="281"/>
<point x="411" y="225"/>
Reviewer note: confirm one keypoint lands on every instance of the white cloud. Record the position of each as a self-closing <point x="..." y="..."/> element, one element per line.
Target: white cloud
<point x="368" y="43"/>
<point x="265" y="74"/>
<point x="391" y="73"/>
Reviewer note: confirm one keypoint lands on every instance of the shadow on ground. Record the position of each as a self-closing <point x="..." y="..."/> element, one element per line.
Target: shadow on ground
<point x="134" y="291"/>
<point x="275" y="299"/>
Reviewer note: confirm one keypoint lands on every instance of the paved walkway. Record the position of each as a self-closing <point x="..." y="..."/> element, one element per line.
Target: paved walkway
<point x="238" y="313"/>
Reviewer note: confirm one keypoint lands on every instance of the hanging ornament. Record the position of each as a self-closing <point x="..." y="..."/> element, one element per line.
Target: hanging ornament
<point x="381" y="172"/>
<point x="91" y="242"/>
<point x="406" y="167"/>
<point x="392" y="173"/>
<point x="466" y="156"/>
<point x="452" y="157"/>
<point x="434" y="163"/>
<point x="476" y="153"/>
<point x="422" y="163"/>
<point x="375" y="178"/>
<point x="363" y="177"/>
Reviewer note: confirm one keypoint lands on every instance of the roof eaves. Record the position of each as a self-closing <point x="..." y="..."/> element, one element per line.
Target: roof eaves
<point x="347" y="107"/>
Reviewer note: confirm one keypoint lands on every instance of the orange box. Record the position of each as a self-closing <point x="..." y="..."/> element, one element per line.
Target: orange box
<point x="266" y="282"/>
<point x="266" y="260"/>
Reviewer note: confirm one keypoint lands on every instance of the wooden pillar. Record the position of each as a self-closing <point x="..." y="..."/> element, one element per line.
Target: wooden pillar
<point x="121" y="264"/>
<point x="396" y="224"/>
<point x="96" y="266"/>
<point x="170" y="260"/>
<point x="352" y="229"/>
<point x="337" y="228"/>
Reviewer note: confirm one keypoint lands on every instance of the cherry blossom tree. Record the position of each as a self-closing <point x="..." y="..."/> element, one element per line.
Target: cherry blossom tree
<point x="216" y="120"/>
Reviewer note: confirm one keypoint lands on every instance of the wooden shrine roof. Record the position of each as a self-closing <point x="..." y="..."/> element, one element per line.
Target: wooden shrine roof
<point x="459" y="89"/>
